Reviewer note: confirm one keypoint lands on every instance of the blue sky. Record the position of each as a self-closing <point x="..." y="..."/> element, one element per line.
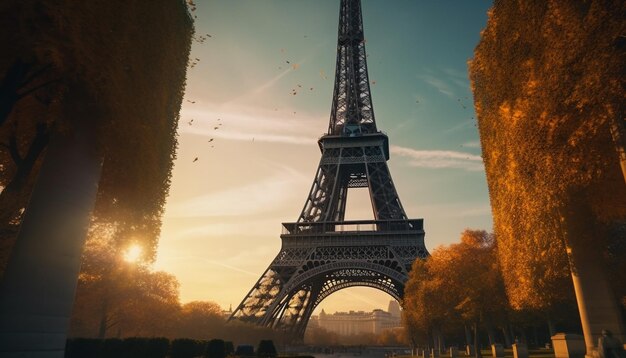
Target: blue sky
<point x="222" y="222"/>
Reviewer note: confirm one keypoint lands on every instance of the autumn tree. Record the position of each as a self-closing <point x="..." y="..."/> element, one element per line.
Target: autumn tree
<point x="104" y="82"/>
<point x="392" y="337"/>
<point x="459" y="284"/>
<point x="320" y="336"/>
<point x="548" y="79"/>
<point x="200" y="320"/>
<point x="123" y="299"/>
<point x="427" y="305"/>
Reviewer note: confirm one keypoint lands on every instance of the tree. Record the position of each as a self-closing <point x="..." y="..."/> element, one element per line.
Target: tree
<point x="200" y="320"/>
<point x="392" y="337"/>
<point x="320" y="336"/>
<point x="456" y="285"/>
<point x="427" y="304"/>
<point x="548" y="85"/>
<point x="216" y="349"/>
<point x="121" y="299"/>
<point x="118" y="104"/>
<point x="266" y="349"/>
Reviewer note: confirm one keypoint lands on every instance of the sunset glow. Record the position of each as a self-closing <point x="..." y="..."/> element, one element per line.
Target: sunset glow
<point x="252" y="120"/>
<point x="133" y="253"/>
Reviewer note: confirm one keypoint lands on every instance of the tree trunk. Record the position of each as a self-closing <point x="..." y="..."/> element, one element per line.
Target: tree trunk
<point x="12" y="197"/>
<point x="596" y="302"/>
<point x="524" y="338"/>
<point x="491" y="334"/>
<point x="39" y="284"/>
<point x="442" y="343"/>
<point x="436" y="340"/>
<point x="535" y="337"/>
<point x="11" y="83"/>
<point x="551" y="327"/>
<point x="618" y="134"/>
<point x="468" y="335"/>
<point x="507" y="339"/>
<point x="104" y="319"/>
<point x="477" y="352"/>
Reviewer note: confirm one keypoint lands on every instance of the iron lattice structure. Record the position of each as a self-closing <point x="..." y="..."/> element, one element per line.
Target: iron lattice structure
<point x="322" y="253"/>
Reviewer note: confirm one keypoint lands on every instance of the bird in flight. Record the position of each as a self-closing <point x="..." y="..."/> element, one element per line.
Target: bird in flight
<point x="195" y="159"/>
<point x="210" y="140"/>
<point x="190" y="122"/>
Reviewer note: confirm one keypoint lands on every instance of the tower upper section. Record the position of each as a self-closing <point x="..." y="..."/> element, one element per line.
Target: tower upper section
<point x="352" y="112"/>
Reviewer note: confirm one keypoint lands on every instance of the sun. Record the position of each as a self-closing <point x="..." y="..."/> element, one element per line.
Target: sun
<point x="133" y="253"/>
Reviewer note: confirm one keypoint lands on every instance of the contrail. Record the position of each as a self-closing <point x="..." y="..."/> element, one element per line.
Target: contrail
<point x="255" y="274"/>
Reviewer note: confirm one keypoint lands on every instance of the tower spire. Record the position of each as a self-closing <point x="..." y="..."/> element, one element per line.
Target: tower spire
<point x="352" y="111"/>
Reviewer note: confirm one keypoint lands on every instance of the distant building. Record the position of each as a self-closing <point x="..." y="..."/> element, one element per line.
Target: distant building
<point x="351" y="323"/>
<point x="227" y="313"/>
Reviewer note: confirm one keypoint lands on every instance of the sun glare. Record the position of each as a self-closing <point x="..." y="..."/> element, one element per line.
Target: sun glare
<point x="133" y="253"/>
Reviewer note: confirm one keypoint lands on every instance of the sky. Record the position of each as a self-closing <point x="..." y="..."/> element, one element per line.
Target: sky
<point x="247" y="145"/>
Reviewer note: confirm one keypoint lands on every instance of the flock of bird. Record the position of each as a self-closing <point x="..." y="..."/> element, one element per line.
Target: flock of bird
<point x="294" y="66"/>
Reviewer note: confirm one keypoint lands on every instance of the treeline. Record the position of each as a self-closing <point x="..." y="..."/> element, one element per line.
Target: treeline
<point x="119" y="299"/>
<point x="321" y="337"/>
<point x="457" y="297"/>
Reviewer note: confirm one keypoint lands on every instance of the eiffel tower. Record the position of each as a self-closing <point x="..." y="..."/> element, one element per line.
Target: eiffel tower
<point x="322" y="253"/>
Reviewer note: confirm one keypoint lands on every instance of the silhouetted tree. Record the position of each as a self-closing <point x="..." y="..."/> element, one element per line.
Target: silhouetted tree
<point x="266" y="349"/>
<point x="107" y="113"/>
<point x="215" y="349"/>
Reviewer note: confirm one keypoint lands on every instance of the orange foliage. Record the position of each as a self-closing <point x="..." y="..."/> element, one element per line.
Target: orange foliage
<point x="548" y="82"/>
<point x="122" y="63"/>
<point x="456" y="284"/>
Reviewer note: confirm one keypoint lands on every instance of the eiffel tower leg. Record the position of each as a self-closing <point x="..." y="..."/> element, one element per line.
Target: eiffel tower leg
<point x="253" y="307"/>
<point x="306" y="315"/>
<point x="385" y="199"/>
<point x="322" y="189"/>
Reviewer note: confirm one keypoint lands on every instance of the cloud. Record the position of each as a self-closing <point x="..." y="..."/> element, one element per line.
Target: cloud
<point x="461" y="125"/>
<point x="246" y="124"/>
<point x="243" y="200"/>
<point x="262" y="87"/>
<point x="459" y="78"/>
<point x="472" y="144"/>
<point x="438" y="84"/>
<point x="446" y="80"/>
<point x="231" y="267"/>
<point x="440" y="158"/>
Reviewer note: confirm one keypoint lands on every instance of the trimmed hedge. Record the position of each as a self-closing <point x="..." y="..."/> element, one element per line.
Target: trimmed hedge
<point x="187" y="348"/>
<point x="116" y="348"/>
<point x="137" y="347"/>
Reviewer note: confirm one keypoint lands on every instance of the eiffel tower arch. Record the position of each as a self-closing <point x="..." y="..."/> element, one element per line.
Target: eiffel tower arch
<point x="321" y="252"/>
